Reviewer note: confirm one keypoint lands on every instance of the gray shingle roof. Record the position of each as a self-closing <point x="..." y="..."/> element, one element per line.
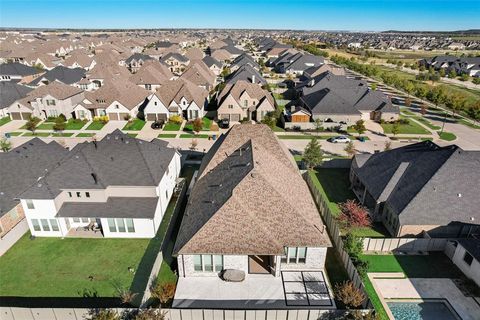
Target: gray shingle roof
<point x="17" y="69"/>
<point x="117" y="160"/>
<point x="424" y="183"/>
<point x="11" y="92"/>
<point x="62" y="74"/>
<point x="246" y="72"/>
<point x="114" y="207"/>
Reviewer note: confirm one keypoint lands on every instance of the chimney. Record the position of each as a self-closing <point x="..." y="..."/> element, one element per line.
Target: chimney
<point x="253" y="78"/>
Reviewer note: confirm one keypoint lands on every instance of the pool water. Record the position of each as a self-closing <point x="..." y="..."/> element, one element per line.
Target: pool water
<point x="421" y="311"/>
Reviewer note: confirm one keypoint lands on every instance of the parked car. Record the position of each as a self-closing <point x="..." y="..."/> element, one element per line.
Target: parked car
<point x="224" y="123"/>
<point x="339" y="139"/>
<point x="157" y="124"/>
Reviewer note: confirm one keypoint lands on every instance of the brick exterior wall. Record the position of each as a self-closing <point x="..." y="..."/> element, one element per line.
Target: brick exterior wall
<point x="11" y="219"/>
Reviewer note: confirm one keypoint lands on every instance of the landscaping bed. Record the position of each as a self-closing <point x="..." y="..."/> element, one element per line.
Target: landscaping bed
<point x="206" y="125"/>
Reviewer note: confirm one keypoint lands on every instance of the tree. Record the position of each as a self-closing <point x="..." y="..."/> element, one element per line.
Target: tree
<point x="164" y="292"/>
<point x="452" y="74"/>
<point x="5" y="145"/>
<point x="473" y="111"/>
<point x="59" y="124"/>
<point x="318" y="125"/>
<point x="409" y="87"/>
<point x="31" y="124"/>
<point x="388" y="146"/>
<point x="395" y="128"/>
<point x="313" y="154"/>
<point x="408" y="102"/>
<point x="359" y="126"/>
<point x="349" y="295"/>
<point x="350" y="149"/>
<point x="197" y="125"/>
<point x="353" y="214"/>
<point x="455" y="102"/>
<point x="374" y="86"/>
<point x="442" y="73"/>
<point x="270" y="120"/>
<point x="423" y="109"/>
<point x="464" y="77"/>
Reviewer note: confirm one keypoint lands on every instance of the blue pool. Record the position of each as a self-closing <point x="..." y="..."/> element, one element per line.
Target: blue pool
<point x="429" y="310"/>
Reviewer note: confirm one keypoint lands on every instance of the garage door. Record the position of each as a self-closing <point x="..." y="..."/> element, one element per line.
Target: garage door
<point x="235" y="117"/>
<point x="26" y="115"/>
<point x="162" y="116"/>
<point x="16" y="116"/>
<point x="151" y="117"/>
<point x="113" y="116"/>
<point x="123" y="115"/>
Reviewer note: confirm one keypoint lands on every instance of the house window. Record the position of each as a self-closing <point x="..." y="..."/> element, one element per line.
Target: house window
<point x="116" y="106"/>
<point x="120" y="224"/>
<point x="85" y="220"/>
<point x="77" y="220"/>
<point x="54" y="224"/>
<point x="245" y="103"/>
<point x="45" y="225"/>
<point x="208" y="263"/>
<point x="295" y="255"/>
<point x="166" y="194"/>
<point x="79" y="194"/>
<point x="230" y="106"/>
<point x="111" y="225"/>
<point x="468" y="258"/>
<point x="30" y="204"/>
<point x="87" y="194"/>
<point x="50" y="102"/>
<point x="148" y="86"/>
<point x="36" y="225"/>
<point x="130" y="226"/>
<point x="69" y="194"/>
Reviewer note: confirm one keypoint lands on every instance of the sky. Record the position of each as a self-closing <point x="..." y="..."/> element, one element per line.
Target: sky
<point x="353" y="15"/>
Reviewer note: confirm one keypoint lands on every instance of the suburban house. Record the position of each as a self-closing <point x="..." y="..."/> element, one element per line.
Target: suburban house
<point x="461" y="65"/>
<point x="214" y="65"/>
<point x="338" y="99"/>
<point x="9" y="93"/>
<point x="420" y="188"/>
<point x="466" y="256"/>
<point x="19" y="169"/>
<point x="118" y="99"/>
<point x="151" y="75"/>
<point x="244" y="100"/>
<point x="249" y="211"/>
<point x="177" y="97"/>
<point x="175" y="62"/>
<point x="296" y="62"/>
<point x="118" y="187"/>
<point x="246" y="73"/>
<point x="18" y="72"/>
<point x="61" y="74"/>
<point x="135" y="61"/>
<point x="242" y="60"/>
<point x="79" y="59"/>
<point x="49" y="100"/>
<point x="199" y="74"/>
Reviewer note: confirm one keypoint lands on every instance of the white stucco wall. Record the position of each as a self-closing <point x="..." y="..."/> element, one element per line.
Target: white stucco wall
<point x="315" y="260"/>
<point x="471" y="271"/>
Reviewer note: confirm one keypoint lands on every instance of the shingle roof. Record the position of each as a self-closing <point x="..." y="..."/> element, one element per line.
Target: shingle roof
<point x="116" y="160"/>
<point x="17" y="69"/>
<point x="424" y="183"/>
<point x="23" y="165"/>
<point x="62" y="74"/>
<point x="11" y="92"/>
<point x="249" y="199"/>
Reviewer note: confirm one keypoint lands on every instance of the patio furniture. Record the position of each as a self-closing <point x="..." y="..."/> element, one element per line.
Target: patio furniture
<point x="232" y="275"/>
<point x="89" y="226"/>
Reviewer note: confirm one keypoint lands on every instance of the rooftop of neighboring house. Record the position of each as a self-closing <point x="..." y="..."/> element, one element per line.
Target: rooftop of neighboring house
<point x="23" y="165"/>
<point x="237" y="89"/>
<point x="175" y="90"/>
<point x="194" y="54"/>
<point x="424" y="183"/>
<point x="62" y="74"/>
<point x="175" y="55"/>
<point x="11" y="92"/>
<point x="137" y="57"/>
<point x="249" y="199"/>
<point x="18" y="69"/>
<point x="55" y="89"/>
<point x="152" y="72"/>
<point x="246" y="73"/>
<point x="116" y="160"/>
<point x="333" y="94"/>
<point x="210" y="61"/>
<point x="199" y="74"/>
<point x="117" y="89"/>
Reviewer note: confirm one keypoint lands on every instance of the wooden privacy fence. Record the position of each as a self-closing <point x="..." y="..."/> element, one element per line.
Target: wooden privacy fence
<point x="334" y="231"/>
<point x="10" y="313"/>
<point x="403" y="244"/>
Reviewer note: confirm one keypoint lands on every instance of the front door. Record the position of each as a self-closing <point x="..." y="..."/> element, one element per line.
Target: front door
<point x="260" y="264"/>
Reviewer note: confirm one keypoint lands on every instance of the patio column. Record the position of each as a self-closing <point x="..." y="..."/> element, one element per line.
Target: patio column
<point x="277" y="265"/>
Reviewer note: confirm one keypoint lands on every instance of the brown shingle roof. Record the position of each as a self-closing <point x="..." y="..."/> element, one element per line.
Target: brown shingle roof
<point x="249" y="199"/>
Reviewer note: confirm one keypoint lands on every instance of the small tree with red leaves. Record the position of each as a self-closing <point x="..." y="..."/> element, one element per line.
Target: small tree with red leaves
<point x="353" y="214"/>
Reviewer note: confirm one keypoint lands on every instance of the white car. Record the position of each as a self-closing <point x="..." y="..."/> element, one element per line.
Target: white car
<point x="340" y="139"/>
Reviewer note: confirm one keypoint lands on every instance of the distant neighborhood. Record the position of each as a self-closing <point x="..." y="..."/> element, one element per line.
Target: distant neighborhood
<point x="239" y="174"/>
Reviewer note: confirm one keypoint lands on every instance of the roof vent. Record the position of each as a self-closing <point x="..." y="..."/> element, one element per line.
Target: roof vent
<point x="459" y="195"/>
<point x="209" y="201"/>
<point x="111" y="158"/>
<point x="215" y="185"/>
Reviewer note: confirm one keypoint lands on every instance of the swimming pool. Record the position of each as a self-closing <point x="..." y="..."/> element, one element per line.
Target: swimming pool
<point x="421" y="310"/>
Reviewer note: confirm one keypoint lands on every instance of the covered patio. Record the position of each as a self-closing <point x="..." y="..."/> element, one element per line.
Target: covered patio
<point x="294" y="289"/>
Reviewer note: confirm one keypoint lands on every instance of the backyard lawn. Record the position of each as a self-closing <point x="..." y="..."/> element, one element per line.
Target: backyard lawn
<point x="134" y="125"/>
<point x="4" y="120"/>
<point x="54" y="267"/>
<point x="170" y="126"/>
<point x="410" y="128"/>
<point x="95" y="125"/>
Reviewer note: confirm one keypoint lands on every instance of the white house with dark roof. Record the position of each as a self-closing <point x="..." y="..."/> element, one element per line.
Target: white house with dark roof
<point x="118" y="187"/>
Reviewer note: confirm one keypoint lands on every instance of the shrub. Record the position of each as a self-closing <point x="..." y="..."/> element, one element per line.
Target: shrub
<point x="103" y="119"/>
<point x="59" y="124"/>
<point x="362" y="267"/>
<point x="353" y="214"/>
<point x="163" y="291"/>
<point x="150" y="314"/>
<point x="103" y="314"/>
<point x="349" y="295"/>
<point x="353" y="245"/>
<point x="62" y="117"/>
<point x="176" y="119"/>
<point x="197" y="125"/>
<point x="127" y="117"/>
<point x="5" y="145"/>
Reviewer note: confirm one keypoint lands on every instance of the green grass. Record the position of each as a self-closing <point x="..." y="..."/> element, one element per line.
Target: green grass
<point x="194" y="136"/>
<point x="469" y="124"/>
<point x="278" y="129"/>
<point x="334" y="185"/>
<point x="55" y="267"/>
<point x="95" y="125"/>
<point x="447" y="136"/>
<point x="85" y="135"/>
<point x="36" y="134"/>
<point x="167" y="135"/>
<point x="206" y="125"/>
<point x="15" y="133"/>
<point x="301" y="137"/>
<point x="410" y="128"/>
<point x="75" y="124"/>
<point x="427" y="123"/>
<point x="135" y="125"/>
<point x="45" y="126"/>
<point x="133" y="135"/>
<point x="4" y="120"/>
<point x="373" y="296"/>
<point x="377" y="230"/>
<point x="63" y="134"/>
<point x="170" y="126"/>
<point x="407" y="112"/>
<point x="433" y="265"/>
